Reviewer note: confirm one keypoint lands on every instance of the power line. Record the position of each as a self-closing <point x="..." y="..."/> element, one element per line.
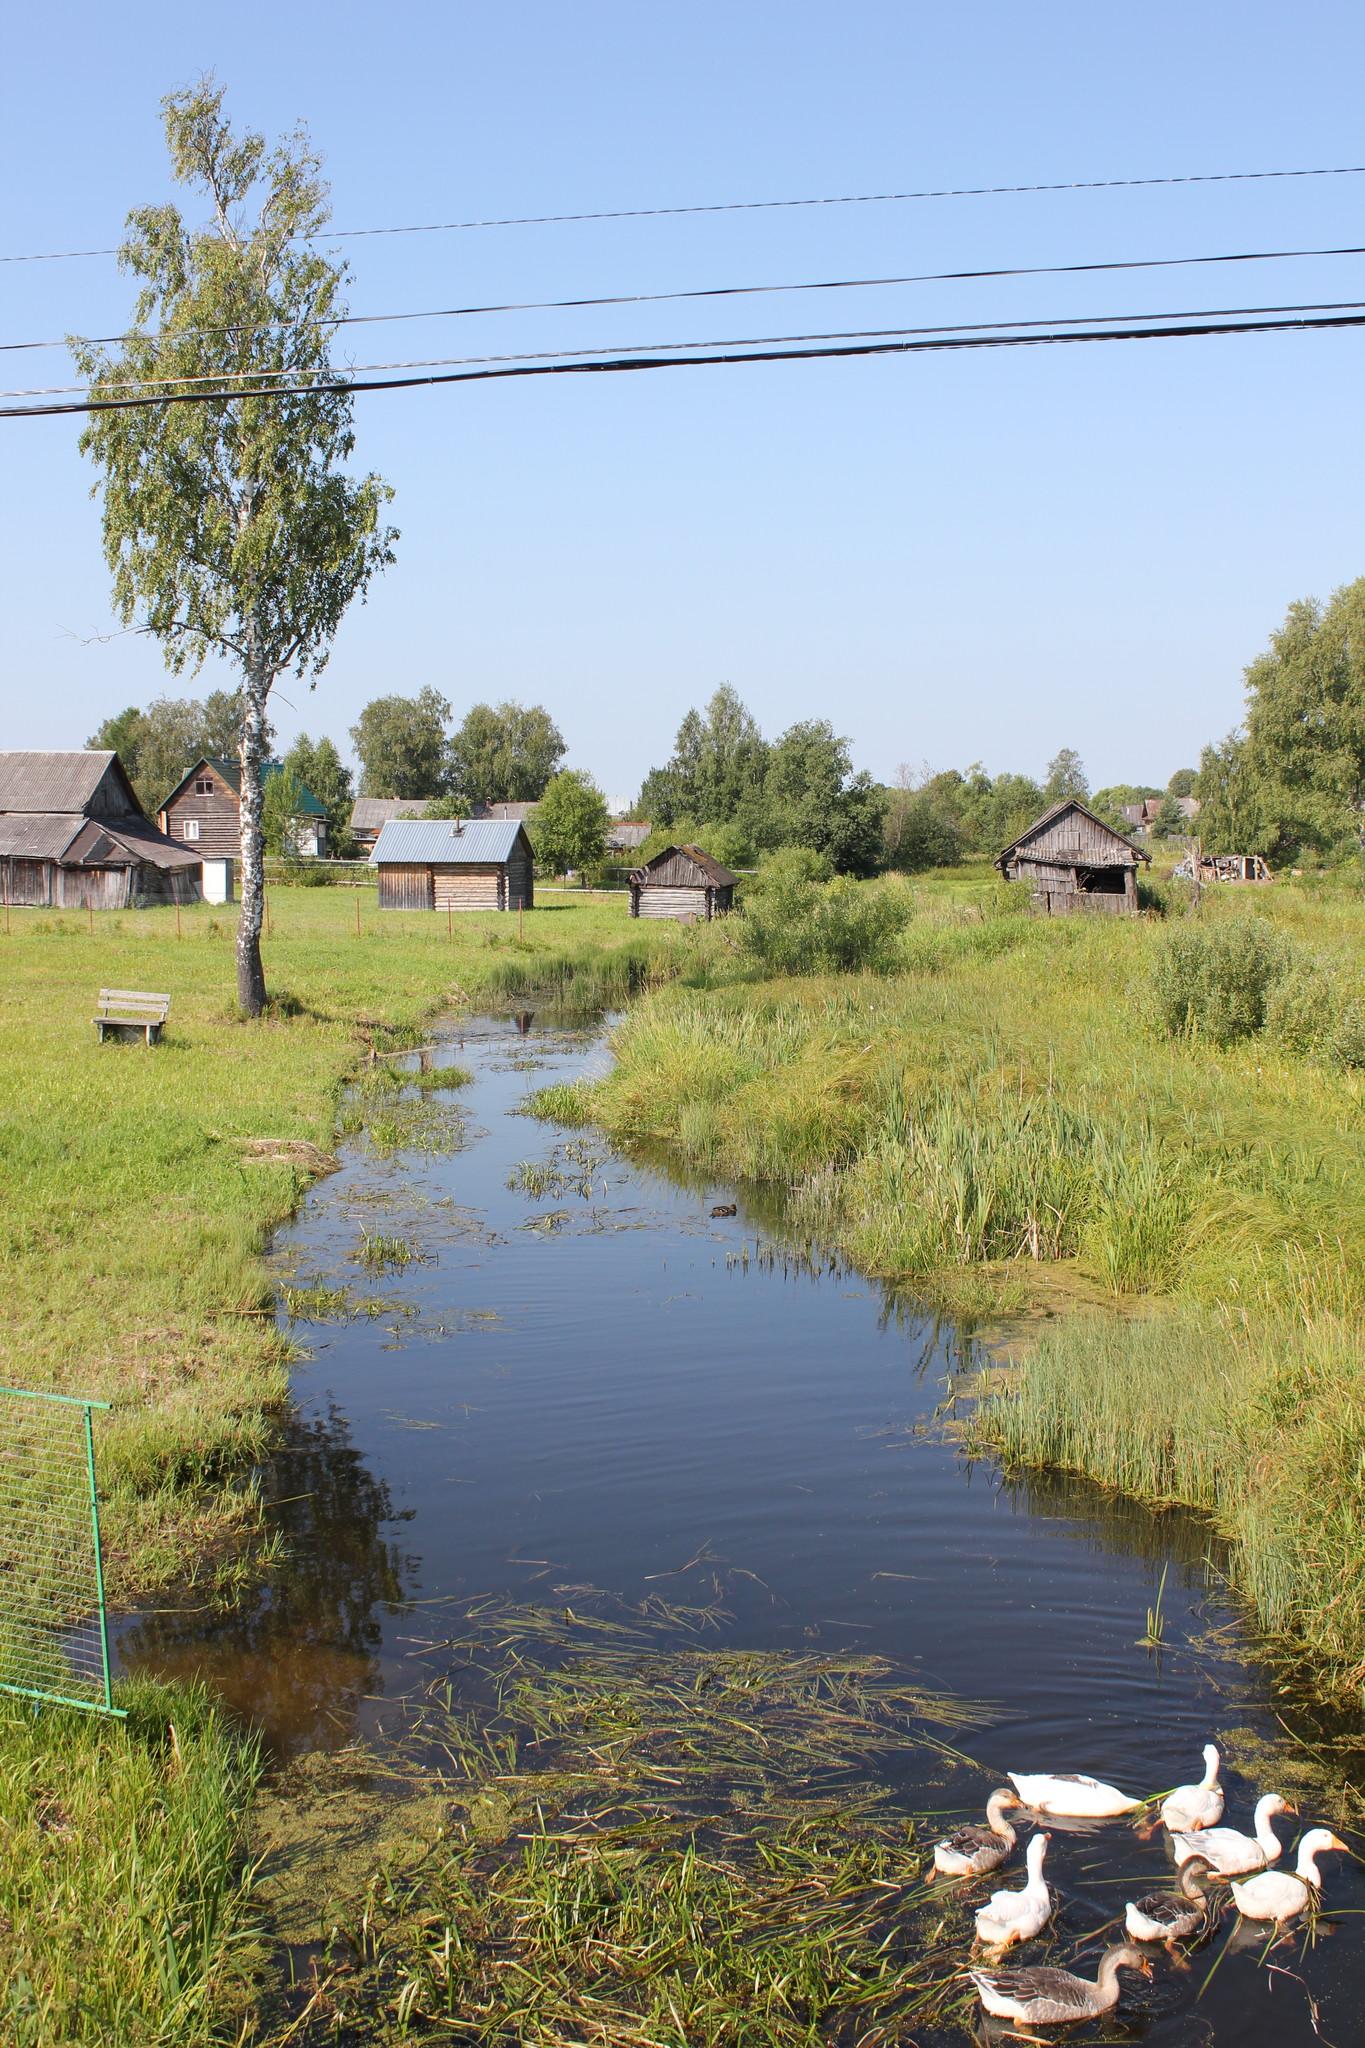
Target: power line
<point x="346" y="387"/>
<point x="723" y="291"/>
<point x="537" y="220"/>
<point x="756" y="341"/>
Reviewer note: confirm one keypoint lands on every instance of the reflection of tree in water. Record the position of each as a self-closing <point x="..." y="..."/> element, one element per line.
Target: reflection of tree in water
<point x="299" y="1649"/>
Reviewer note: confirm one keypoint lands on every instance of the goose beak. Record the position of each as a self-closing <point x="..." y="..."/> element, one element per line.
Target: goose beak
<point x="1145" y="1966"/>
<point x="1337" y="1843"/>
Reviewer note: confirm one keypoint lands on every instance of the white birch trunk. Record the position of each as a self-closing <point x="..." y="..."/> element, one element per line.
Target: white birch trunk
<point x="250" y="972"/>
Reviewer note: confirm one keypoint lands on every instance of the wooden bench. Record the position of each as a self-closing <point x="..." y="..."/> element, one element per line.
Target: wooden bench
<point x="131" y="1013"/>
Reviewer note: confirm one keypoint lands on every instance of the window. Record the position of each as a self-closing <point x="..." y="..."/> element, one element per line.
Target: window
<point x="190" y="828"/>
<point x="204" y="786"/>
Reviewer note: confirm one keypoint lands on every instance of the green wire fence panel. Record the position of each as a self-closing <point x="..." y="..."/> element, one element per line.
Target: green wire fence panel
<point x="54" y="1635"/>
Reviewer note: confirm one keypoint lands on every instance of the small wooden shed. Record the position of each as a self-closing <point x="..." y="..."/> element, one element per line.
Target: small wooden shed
<point x="454" y="864"/>
<point x="684" y="883"/>
<point x="1072" y="860"/>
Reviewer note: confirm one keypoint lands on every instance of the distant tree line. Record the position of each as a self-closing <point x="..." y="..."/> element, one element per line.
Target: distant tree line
<point x="1290" y="781"/>
<point x="501" y="753"/>
<point x="743" y="796"/>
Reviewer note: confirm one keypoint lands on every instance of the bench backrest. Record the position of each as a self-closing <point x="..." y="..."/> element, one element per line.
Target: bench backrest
<point x="134" y="999"/>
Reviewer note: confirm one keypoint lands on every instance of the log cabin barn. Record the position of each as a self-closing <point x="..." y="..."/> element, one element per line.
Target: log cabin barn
<point x="204" y="811"/>
<point x="454" y="864"/>
<point x="73" y="836"/>
<point x="684" y="883"/>
<point x="1072" y="860"/>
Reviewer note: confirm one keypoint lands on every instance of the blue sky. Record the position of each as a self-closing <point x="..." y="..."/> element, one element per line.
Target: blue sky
<point x="955" y="557"/>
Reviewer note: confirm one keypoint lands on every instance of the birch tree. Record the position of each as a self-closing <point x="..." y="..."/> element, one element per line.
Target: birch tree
<point x="231" y="525"/>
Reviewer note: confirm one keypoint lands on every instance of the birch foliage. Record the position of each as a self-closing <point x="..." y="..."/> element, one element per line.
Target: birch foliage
<point x="231" y="525"/>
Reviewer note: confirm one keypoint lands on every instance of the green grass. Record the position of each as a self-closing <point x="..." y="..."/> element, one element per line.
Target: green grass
<point x="125" y="1908"/>
<point x="1004" y="1126"/>
<point x="137" y="1211"/>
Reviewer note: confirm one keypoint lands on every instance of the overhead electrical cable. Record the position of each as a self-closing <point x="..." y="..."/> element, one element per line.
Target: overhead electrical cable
<point x="539" y="220"/>
<point x="720" y="291"/>
<point x="321" y="386"/>
<point x="756" y="341"/>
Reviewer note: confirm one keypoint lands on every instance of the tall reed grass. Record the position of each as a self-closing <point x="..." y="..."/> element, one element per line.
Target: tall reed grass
<point x="1258" y="1421"/>
<point x="1002" y="1124"/>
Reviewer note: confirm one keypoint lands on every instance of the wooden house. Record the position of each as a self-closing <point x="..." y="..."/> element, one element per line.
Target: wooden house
<point x="204" y="811"/>
<point x="73" y="836"/>
<point x="1072" y="860"/>
<point x="684" y="883"/>
<point x="370" y="814"/>
<point x="454" y="864"/>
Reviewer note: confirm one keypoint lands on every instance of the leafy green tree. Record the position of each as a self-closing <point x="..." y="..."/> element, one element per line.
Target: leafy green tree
<point x="282" y="802"/>
<point x="986" y="811"/>
<point x="230" y="525"/>
<point x="1305" y="723"/>
<point x="1066" y="777"/>
<point x="1182" y="782"/>
<point x="504" y="754"/>
<point x="1109" y="803"/>
<point x="320" y="768"/>
<point x="569" y="829"/>
<point x="1234" y="816"/>
<point x="401" y="742"/>
<point x="811" y="797"/>
<point x="719" y="762"/>
<point x="159" y="745"/>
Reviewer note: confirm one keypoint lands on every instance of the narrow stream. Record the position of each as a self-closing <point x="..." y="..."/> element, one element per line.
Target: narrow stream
<point x="601" y="1383"/>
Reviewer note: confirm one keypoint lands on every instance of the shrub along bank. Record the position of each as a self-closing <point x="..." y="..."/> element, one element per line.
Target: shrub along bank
<point x="1090" y="1115"/>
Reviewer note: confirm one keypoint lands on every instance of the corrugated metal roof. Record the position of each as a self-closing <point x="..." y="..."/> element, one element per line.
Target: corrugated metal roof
<point x="436" y="841"/>
<point x="51" y="782"/>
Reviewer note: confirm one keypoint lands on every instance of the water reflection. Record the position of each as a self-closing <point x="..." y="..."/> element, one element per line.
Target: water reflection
<point x="301" y="1650"/>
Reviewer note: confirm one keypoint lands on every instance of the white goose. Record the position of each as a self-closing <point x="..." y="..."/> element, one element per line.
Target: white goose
<point x="1168" y="1916"/>
<point x="1018" y="1916"/>
<point x="1043" y="1997"/>
<point x="973" y="1850"/>
<point x="1230" y="1853"/>
<point x="1280" y="1894"/>
<point x="1191" y="1807"/>
<point x="1070" y="1795"/>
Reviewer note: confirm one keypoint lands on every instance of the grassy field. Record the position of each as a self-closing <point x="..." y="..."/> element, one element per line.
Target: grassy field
<point x="1177" y="1227"/>
<point x="131" y="1237"/>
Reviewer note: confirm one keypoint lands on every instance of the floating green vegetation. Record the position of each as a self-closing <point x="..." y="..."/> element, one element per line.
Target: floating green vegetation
<point x="384" y="1079"/>
<point x="570" y="1169"/>
<point x="563" y="1102"/>
<point x="320" y="1303"/>
<point x="380" y="1249"/>
<point x="607" y="1831"/>
<point x="415" y="1127"/>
